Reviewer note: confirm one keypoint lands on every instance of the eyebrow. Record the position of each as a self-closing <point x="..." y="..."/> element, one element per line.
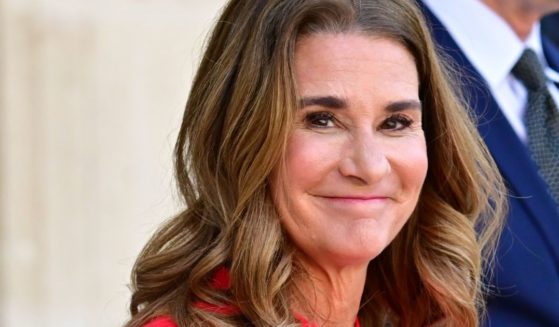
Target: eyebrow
<point x="398" y="106"/>
<point x="333" y="102"/>
<point x="324" y="101"/>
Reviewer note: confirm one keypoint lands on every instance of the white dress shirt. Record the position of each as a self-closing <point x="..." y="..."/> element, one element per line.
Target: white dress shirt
<point x="493" y="48"/>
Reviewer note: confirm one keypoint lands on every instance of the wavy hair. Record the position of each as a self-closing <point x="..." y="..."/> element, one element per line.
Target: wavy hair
<point x="234" y="131"/>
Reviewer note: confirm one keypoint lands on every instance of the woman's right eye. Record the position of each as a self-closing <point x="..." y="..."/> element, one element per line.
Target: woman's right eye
<point x="319" y="119"/>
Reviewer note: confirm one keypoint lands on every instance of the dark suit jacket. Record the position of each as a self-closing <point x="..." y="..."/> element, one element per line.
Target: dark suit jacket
<point x="550" y="27"/>
<point x="525" y="282"/>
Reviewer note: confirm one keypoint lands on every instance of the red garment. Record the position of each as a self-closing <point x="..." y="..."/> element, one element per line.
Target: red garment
<point x="166" y="322"/>
<point x="161" y="322"/>
<point x="221" y="281"/>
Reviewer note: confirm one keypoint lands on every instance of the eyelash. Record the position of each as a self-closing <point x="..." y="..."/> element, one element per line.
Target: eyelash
<point x="311" y="120"/>
<point x="403" y="120"/>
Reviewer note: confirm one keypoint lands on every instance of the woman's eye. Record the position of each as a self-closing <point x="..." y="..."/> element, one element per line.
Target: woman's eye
<point x="319" y="119"/>
<point x="396" y="123"/>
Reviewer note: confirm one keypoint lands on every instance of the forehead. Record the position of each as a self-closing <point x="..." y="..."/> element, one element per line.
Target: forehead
<point x="353" y="42"/>
<point x="354" y="65"/>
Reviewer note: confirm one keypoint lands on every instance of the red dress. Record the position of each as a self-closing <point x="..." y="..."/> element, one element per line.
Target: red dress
<point x="166" y="322"/>
<point x="222" y="281"/>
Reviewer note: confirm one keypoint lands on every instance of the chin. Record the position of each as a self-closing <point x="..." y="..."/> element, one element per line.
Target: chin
<point x="356" y="257"/>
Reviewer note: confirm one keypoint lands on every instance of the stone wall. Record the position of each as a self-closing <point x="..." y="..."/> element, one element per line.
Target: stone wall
<point x="91" y="96"/>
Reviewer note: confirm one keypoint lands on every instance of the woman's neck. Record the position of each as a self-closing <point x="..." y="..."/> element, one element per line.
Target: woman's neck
<point x="330" y="297"/>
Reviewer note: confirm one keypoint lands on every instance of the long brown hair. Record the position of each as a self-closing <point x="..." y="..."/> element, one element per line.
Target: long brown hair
<point x="234" y="131"/>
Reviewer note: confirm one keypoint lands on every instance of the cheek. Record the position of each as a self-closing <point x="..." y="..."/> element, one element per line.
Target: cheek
<point x="305" y="165"/>
<point x="305" y="162"/>
<point x="309" y="159"/>
<point x="411" y="166"/>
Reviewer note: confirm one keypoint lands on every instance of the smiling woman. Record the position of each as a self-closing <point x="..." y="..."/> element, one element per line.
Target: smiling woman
<point x="347" y="187"/>
<point x="331" y="178"/>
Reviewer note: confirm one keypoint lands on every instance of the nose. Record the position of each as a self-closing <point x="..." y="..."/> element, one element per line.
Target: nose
<point x="364" y="159"/>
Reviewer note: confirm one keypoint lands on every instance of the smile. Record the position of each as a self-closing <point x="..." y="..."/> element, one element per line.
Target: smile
<point x="350" y="203"/>
<point x="356" y="198"/>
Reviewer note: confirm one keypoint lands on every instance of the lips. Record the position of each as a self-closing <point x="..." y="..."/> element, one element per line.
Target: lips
<point x="356" y="197"/>
<point x="358" y="205"/>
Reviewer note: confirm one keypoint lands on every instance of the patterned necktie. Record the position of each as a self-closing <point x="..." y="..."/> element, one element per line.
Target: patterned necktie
<point x="541" y="119"/>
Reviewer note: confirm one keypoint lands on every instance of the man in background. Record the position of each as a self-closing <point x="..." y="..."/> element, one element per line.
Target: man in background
<point x="509" y="74"/>
<point x="550" y="27"/>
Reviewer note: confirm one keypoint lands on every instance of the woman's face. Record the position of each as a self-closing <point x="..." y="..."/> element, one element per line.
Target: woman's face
<point x="356" y="158"/>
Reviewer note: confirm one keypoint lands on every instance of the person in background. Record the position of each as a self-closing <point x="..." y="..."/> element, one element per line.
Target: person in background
<point x="330" y="174"/>
<point x="510" y="79"/>
<point x="550" y="27"/>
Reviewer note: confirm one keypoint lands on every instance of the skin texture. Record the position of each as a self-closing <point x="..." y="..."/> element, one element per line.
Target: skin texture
<point x="355" y="163"/>
<point x="521" y="15"/>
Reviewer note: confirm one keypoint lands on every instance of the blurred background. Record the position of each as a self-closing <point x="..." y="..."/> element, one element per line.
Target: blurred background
<point x="91" y="97"/>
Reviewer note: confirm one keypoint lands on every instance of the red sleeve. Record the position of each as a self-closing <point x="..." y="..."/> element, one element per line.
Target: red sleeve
<point x="221" y="281"/>
<point x="161" y="322"/>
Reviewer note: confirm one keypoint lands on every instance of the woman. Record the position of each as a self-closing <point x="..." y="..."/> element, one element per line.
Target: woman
<point x="331" y="178"/>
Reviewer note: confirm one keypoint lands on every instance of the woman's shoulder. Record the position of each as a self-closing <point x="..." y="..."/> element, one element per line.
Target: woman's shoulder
<point x="161" y="322"/>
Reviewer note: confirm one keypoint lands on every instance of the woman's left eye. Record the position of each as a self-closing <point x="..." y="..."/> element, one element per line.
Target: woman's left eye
<point x="396" y="123"/>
